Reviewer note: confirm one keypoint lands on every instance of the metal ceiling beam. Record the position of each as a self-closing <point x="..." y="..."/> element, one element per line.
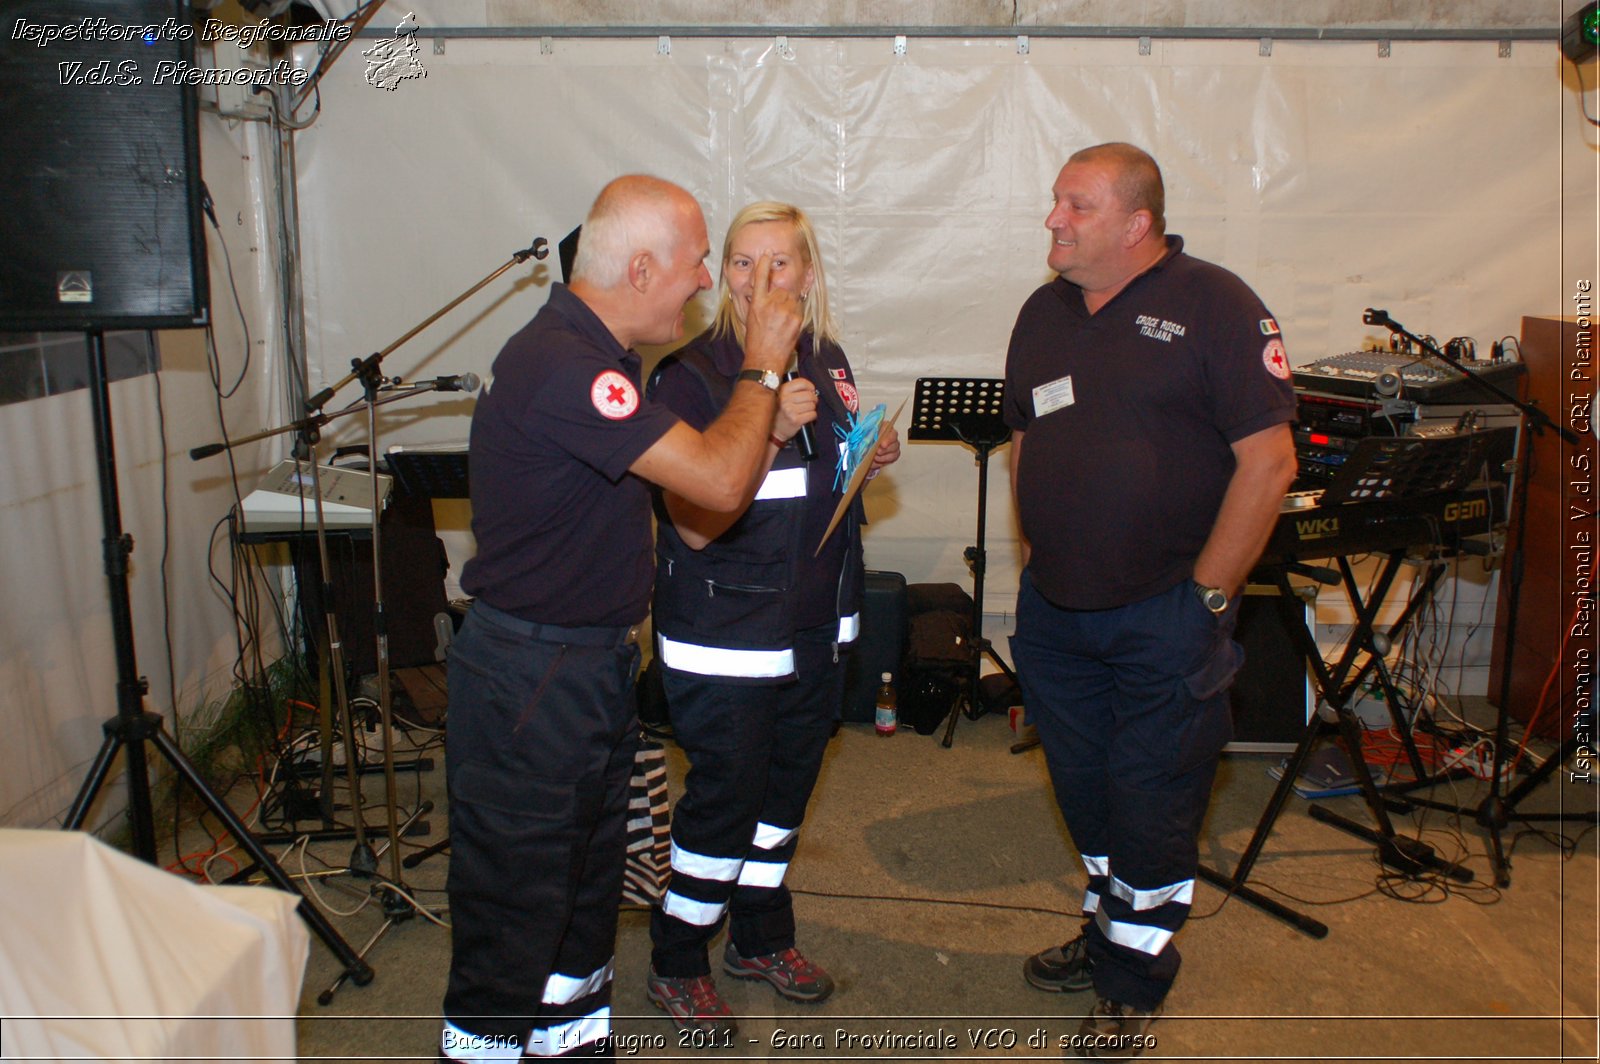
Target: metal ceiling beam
<point x="1250" y="33"/>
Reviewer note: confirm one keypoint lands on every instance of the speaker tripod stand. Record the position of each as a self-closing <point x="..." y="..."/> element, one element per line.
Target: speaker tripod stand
<point x="132" y="728"/>
<point x="967" y="410"/>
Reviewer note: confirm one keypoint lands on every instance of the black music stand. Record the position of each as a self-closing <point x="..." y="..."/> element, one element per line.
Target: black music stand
<point x="1395" y="468"/>
<point x="967" y="410"/>
<point x="1380" y="470"/>
<point x="434" y="473"/>
<point x="431" y="472"/>
<point x="428" y="472"/>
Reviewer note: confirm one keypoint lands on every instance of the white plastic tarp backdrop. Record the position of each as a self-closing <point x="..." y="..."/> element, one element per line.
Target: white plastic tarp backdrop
<point x="1436" y="182"/>
<point x="1428" y="182"/>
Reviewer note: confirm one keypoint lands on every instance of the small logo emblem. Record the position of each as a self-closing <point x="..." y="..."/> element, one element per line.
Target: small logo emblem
<point x="847" y="392"/>
<point x="389" y="62"/>
<point x="614" y="395"/>
<point x="1276" y="361"/>
<point x="75" y="286"/>
<point x="1269" y="327"/>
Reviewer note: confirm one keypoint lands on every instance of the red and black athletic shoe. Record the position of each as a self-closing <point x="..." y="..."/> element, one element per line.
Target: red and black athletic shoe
<point x="788" y="971"/>
<point x="693" y="1003"/>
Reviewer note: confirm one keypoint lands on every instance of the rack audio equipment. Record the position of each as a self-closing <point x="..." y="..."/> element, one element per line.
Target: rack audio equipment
<point x="1328" y="428"/>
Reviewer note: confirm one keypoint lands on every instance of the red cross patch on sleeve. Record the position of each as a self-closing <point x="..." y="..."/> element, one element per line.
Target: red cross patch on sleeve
<point x="614" y="395"/>
<point x="1275" y="359"/>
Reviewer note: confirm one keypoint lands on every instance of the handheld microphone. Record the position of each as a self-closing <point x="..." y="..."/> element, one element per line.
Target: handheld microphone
<point x="805" y="439"/>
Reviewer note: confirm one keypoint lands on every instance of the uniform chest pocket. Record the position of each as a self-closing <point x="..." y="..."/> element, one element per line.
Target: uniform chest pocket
<point x="751" y="605"/>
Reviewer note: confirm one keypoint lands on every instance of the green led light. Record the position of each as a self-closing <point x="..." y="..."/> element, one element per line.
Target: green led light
<point x="1591" y="25"/>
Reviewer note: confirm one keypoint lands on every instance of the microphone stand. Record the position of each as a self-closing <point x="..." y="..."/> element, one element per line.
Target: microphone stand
<point x="1497" y="808"/>
<point x="539" y="249"/>
<point x="1540" y="420"/>
<point x="308" y="431"/>
<point x="396" y="904"/>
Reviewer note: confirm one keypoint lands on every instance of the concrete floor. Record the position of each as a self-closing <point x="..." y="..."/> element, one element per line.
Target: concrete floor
<point x="925" y="875"/>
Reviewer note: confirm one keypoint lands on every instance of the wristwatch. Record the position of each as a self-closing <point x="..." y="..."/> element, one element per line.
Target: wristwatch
<point x="765" y="377"/>
<point x="1212" y="598"/>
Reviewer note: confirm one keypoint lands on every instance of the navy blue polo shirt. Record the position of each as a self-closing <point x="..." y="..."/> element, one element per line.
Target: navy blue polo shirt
<point x="1129" y="414"/>
<point x="563" y="528"/>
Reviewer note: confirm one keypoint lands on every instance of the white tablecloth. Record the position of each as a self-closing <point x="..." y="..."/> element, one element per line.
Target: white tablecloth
<point x="105" y="957"/>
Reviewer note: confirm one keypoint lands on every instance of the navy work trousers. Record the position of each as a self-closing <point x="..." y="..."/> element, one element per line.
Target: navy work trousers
<point x="1131" y="707"/>
<point x="754" y="754"/>
<point x="539" y="748"/>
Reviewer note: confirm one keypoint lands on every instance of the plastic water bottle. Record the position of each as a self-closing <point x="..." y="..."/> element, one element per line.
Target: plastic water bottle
<point x="886" y="716"/>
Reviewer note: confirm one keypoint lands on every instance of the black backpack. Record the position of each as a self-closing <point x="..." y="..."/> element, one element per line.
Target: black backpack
<point x="938" y="655"/>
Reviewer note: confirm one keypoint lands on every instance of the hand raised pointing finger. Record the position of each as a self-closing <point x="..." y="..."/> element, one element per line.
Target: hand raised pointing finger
<point x="773" y="324"/>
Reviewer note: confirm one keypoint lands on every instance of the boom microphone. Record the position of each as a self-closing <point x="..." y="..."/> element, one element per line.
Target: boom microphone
<point x="455" y="382"/>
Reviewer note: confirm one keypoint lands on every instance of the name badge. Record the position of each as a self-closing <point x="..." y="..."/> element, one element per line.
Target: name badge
<point x="1048" y="398"/>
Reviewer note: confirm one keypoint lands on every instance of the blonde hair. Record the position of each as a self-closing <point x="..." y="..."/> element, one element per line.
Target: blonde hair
<point x="815" y="318"/>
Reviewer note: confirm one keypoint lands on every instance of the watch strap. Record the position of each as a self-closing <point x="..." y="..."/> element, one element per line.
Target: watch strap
<point x="764" y="377"/>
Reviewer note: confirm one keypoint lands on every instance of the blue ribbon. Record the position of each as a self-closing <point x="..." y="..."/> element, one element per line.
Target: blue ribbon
<point x="860" y="438"/>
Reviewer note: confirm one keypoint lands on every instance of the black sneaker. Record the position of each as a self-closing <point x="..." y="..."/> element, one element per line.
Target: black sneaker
<point x="1061" y="969"/>
<point x="1115" y="1032"/>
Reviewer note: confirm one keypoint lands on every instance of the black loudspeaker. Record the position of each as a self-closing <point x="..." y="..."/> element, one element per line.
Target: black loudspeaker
<point x="100" y="169"/>
<point x="1272" y="694"/>
<point x="880" y="648"/>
